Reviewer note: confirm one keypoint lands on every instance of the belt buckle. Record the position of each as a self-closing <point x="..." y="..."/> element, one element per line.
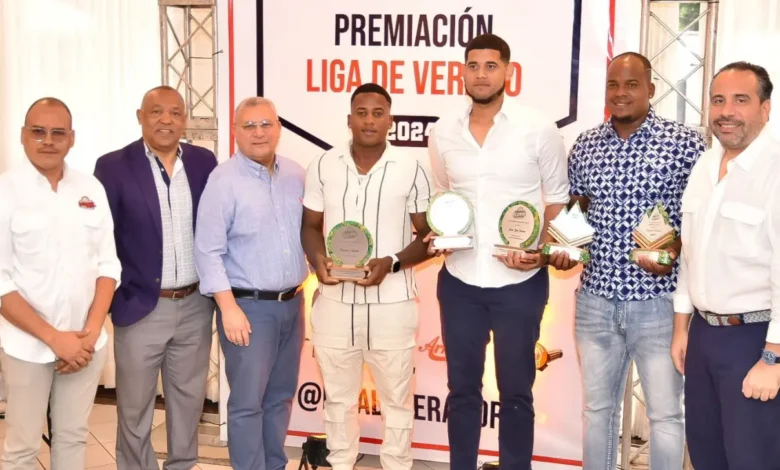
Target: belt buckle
<point x="279" y="297"/>
<point x="173" y="296"/>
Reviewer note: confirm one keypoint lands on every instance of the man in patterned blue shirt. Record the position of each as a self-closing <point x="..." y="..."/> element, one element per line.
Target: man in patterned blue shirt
<point x="624" y="310"/>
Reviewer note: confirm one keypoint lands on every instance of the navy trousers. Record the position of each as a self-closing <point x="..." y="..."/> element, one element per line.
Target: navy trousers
<point x="468" y="314"/>
<point x="725" y="430"/>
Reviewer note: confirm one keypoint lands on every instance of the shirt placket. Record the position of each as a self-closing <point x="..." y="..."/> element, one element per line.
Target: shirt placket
<point x="277" y="202"/>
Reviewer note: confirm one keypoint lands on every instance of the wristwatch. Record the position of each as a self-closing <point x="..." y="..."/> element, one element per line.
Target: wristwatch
<point x="768" y="357"/>
<point x="396" y="264"/>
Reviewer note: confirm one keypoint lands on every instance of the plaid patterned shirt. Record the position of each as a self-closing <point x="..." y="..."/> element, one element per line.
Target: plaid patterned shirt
<point x="623" y="178"/>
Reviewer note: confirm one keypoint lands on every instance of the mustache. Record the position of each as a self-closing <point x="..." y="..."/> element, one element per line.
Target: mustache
<point x="738" y="122"/>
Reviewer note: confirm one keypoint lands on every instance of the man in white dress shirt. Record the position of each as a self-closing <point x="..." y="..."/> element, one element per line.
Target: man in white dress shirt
<point x="58" y="273"/>
<point x="728" y="293"/>
<point x="495" y="153"/>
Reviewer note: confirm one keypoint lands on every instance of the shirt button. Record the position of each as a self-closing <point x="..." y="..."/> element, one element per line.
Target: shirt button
<point x="157" y="280"/>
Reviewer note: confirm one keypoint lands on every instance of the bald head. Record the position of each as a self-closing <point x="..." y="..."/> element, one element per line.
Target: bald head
<point x="151" y="95"/>
<point x="163" y="118"/>
<point x="51" y="102"/>
<point x="633" y="59"/>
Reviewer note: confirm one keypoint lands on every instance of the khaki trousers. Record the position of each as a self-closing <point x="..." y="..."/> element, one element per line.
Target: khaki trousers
<point x="31" y="388"/>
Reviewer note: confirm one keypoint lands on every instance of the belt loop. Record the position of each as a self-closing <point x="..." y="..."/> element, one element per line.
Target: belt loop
<point x="256" y="295"/>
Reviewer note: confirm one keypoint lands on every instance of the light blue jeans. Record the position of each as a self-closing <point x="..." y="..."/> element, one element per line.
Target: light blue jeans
<point x="609" y="334"/>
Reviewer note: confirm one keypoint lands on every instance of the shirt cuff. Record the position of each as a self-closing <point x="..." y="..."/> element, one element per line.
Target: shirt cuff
<point x="562" y="198"/>
<point x="773" y="335"/>
<point x="213" y="284"/>
<point x="7" y="287"/>
<point x="682" y="304"/>
<point x="112" y="272"/>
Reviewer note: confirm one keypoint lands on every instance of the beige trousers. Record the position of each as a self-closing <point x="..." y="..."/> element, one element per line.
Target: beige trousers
<point x="391" y="362"/>
<point x="31" y="388"/>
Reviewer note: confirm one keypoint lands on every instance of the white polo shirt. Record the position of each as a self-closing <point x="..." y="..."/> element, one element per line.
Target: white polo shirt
<point x="53" y="248"/>
<point x="730" y="234"/>
<point x="523" y="158"/>
<point x="397" y="185"/>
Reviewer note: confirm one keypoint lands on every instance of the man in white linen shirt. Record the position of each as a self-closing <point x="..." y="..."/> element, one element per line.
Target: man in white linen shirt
<point x="495" y="153"/>
<point x="58" y="273"/>
<point x="728" y="292"/>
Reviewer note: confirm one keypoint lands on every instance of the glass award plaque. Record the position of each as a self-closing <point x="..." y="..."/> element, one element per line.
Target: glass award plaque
<point x="350" y="246"/>
<point x="571" y="232"/>
<point x="518" y="227"/>
<point x="653" y="234"/>
<point x="450" y="215"/>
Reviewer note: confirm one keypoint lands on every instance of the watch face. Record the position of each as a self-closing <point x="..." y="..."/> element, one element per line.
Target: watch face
<point x="769" y="357"/>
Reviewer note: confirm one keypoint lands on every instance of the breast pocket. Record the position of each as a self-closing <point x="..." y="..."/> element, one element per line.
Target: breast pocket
<point x="740" y="228"/>
<point x="30" y="234"/>
<point x="90" y="232"/>
<point x="689" y="209"/>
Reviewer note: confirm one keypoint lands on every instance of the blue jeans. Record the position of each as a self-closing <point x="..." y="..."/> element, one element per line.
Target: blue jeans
<point x="263" y="378"/>
<point x="610" y="333"/>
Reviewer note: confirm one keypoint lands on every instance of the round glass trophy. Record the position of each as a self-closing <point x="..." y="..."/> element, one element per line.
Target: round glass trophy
<point x="450" y="215"/>
<point x="519" y="227"/>
<point x="350" y="246"/>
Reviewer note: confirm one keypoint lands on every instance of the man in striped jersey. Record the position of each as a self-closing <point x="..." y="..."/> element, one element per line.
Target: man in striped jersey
<point x="373" y="320"/>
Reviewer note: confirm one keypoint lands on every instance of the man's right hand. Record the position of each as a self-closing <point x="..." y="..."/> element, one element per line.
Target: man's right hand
<point x="323" y="265"/>
<point x="69" y="347"/>
<point x="561" y="261"/>
<point x="236" y="326"/>
<point x="431" y="250"/>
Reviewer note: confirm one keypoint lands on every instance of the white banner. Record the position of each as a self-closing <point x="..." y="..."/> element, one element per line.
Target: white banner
<point x="308" y="58"/>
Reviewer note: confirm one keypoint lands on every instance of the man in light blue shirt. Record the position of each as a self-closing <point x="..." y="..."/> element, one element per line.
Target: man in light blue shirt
<point x="249" y="258"/>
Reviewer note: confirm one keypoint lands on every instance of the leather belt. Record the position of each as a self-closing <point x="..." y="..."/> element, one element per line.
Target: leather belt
<point x="715" y="319"/>
<point x="180" y="293"/>
<point x="282" y="296"/>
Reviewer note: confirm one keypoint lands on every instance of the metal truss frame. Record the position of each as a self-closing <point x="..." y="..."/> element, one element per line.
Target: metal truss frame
<point x="706" y="63"/>
<point x="181" y="22"/>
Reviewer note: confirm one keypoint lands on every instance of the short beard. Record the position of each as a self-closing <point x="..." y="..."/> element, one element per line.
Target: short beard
<point x="625" y="119"/>
<point x="490" y="98"/>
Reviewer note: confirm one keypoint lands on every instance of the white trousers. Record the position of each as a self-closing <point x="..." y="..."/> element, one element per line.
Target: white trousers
<point x="341" y="364"/>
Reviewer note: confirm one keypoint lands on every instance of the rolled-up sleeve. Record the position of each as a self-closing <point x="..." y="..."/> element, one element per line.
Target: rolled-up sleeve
<point x="7" y="284"/>
<point x="436" y="164"/>
<point x="215" y="213"/>
<point x="553" y="165"/>
<point x="681" y="297"/>
<point x="773" y="333"/>
<point x="108" y="262"/>
<point x="418" y="198"/>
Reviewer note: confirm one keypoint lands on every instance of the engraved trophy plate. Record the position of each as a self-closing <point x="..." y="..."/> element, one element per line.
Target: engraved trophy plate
<point x="653" y="234"/>
<point x="450" y="215"/>
<point x="350" y="246"/>
<point x="518" y="227"/>
<point x="572" y="232"/>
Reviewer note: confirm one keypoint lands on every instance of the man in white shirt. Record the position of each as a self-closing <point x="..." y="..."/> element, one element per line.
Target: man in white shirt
<point x="58" y="273"/>
<point x="727" y="324"/>
<point x="495" y="153"/>
<point x="373" y="320"/>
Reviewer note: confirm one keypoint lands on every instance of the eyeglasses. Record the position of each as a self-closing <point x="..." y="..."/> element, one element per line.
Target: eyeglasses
<point x="39" y="134"/>
<point x="265" y="125"/>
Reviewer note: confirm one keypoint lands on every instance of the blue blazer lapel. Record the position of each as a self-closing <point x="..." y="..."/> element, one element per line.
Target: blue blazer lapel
<point x="142" y="172"/>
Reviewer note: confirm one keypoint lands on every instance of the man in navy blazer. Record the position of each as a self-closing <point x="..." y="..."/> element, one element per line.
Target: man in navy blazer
<point x="161" y="322"/>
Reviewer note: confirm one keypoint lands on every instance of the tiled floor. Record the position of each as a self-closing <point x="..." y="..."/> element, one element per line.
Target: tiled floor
<point x="101" y="454"/>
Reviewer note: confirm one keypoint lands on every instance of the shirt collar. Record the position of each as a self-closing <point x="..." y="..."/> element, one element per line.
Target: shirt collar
<point x="748" y="157"/>
<point x="389" y="155"/>
<point x="507" y="112"/>
<point x="152" y="155"/>
<point x="256" y="168"/>
<point x="651" y="126"/>
<point x="29" y="171"/>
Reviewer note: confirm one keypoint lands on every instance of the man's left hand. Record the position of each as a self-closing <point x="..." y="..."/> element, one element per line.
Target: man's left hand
<point x="762" y="382"/>
<point x="522" y="260"/>
<point x="378" y="268"/>
<point x="655" y="268"/>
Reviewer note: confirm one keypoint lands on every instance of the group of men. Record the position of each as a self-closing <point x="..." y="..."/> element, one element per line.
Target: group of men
<point x="162" y="235"/>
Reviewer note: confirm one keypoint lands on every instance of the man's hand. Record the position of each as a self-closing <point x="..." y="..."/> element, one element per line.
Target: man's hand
<point x="762" y="382"/>
<point x="561" y="261"/>
<point x="431" y="250"/>
<point x="68" y="346"/>
<point x="378" y="268"/>
<point x="522" y="260"/>
<point x="321" y="268"/>
<point x="679" y="350"/>
<point x="655" y="268"/>
<point x="236" y="326"/>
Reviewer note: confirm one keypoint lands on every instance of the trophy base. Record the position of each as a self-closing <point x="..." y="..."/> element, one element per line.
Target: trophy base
<point x="453" y="242"/>
<point x="661" y="257"/>
<point x="348" y="273"/>
<point x="504" y="250"/>
<point x="579" y="255"/>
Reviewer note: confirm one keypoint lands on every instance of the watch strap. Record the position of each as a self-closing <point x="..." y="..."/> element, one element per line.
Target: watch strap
<point x="396" y="264"/>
